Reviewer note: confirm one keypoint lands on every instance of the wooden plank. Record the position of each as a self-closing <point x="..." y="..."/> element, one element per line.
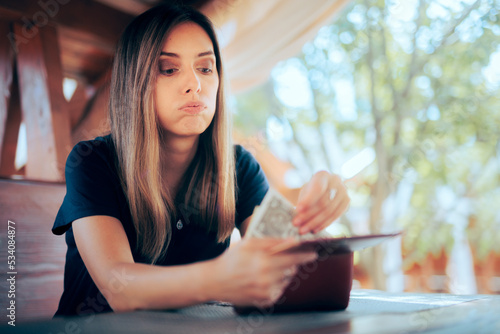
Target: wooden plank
<point x="39" y="254"/>
<point x="105" y="22"/>
<point x="59" y="107"/>
<point x="35" y="105"/>
<point x="6" y="67"/>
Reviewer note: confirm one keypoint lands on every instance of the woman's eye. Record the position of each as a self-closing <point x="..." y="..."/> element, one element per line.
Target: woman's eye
<point x="206" y="70"/>
<point x="168" y="71"/>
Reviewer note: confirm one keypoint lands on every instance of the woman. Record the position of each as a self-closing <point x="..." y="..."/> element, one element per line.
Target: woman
<point x="150" y="208"/>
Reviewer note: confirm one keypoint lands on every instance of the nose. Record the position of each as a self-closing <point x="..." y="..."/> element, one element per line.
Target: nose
<point x="192" y="84"/>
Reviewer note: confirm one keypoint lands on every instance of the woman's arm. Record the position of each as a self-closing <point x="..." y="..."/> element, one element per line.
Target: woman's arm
<point x="126" y="285"/>
<point x="245" y="274"/>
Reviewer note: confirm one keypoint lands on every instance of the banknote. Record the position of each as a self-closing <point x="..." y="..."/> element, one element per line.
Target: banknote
<point x="273" y="218"/>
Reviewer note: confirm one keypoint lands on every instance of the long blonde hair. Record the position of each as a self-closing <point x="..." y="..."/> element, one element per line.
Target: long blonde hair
<point x="208" y="188"/>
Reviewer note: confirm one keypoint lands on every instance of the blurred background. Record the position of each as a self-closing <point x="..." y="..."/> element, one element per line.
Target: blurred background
<point x="399" y="97"/>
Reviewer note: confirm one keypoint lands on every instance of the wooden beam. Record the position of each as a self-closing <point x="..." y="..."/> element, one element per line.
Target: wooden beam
<point x="76" y="106"/>
<point x="59" y="107"/>
<point x="35" y="94"/>
<point x="94" y="122"/>
<point x="10" y="139"/>
<point x="6" y="67"/>
<point x="84" y="56"/>
<point x="89" y="16"/>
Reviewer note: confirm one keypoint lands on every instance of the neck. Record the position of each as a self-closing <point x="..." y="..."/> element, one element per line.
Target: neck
<point x="176" y="155"/>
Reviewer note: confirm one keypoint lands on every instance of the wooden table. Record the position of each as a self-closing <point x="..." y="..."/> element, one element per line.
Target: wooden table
<point x="369" y="311"/>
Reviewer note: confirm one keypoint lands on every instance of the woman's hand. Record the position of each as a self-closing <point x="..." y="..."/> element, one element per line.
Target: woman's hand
<point x="249" y="273"/>
<point x="322" y="200"/>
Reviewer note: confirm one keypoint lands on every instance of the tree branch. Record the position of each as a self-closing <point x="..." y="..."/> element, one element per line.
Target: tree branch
<point x="377" y="116"/>
<point x="318" y="122"/>
<point x="379" y="191"/>
<point x="277" y="109"/>
<point x="397" y="97"/>
<point x="420" y="64"/>
<point x="305" y="151"/>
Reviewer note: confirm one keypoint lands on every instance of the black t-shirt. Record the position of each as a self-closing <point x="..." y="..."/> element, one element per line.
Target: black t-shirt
<point x="93" y="188"/>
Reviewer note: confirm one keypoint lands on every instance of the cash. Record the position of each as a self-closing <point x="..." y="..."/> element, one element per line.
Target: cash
<point x="273" y="218"/>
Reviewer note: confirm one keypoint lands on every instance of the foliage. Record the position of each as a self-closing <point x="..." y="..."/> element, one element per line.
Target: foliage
<point x="415" y="81"/>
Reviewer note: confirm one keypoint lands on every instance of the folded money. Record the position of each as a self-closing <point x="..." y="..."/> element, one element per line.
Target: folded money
<point x="273" y="218"/>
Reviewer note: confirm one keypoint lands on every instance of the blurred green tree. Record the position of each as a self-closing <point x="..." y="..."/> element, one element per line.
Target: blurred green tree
<point x="417" y="83"/>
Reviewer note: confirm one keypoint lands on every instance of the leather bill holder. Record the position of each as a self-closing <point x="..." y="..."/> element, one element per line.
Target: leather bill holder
<point x="322" y="285"/>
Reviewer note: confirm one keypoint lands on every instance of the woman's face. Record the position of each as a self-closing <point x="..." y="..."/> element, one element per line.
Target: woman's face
<point x="187" y="84"/>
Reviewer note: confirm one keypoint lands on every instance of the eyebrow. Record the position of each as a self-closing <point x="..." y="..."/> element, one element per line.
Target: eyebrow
<point x="175" y="55"/>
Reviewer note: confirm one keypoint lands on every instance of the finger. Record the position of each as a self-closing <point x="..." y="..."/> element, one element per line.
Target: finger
<point x="291" y="271"/>
<point x="321" y="218"/>
<point x="333" y="189"/>
<point x="326" y="203"/>
<point x="284" y="246"/>
<point x="311" y="193"/>
<point x="325" y="219"/>
<point x="289" y="274"/>
<point x="338" y="212"/>
<point x="268" y="243"/>
<point x="277" y="292"/>
<point x="285" y="260"/>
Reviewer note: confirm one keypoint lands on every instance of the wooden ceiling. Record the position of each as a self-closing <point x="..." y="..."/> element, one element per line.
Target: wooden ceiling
<point x="88" y="29"/>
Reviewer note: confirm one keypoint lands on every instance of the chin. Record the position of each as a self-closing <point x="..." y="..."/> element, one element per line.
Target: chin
<point x="194" y="127"/>
<point x="186" y="133"/>
<point x="186" y="128"/>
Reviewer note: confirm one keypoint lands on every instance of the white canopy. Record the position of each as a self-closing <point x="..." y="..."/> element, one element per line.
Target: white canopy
<point x="257" y="34"/>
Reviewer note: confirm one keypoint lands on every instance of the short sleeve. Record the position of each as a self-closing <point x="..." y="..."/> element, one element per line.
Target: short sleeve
<point x="92" y="185"/>
<point x="252" y="184"/>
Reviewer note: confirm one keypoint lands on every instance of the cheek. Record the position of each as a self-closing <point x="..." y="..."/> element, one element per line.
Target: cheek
<point x="162" y="111"/>
<point x="163" y="98"/>
<point x="213" y="89"/>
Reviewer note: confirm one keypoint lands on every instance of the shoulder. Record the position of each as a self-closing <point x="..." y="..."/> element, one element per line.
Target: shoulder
<point x="92" y="184"/>
<point x="247" y="167"/>
<point x="91" y="160"/>
<point x="91" y="153"/>
<point x="243" y="157"/>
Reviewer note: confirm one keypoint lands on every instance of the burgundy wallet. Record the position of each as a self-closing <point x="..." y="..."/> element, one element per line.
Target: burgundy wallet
<point x="325" y="284"/>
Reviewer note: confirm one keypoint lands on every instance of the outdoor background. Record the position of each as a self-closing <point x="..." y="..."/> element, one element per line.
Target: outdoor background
<point x="401" y="98"/>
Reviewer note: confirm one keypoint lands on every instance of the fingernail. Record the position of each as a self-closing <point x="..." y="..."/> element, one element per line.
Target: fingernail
<point x="297" y="222"/>
<point x="303" y="230"/>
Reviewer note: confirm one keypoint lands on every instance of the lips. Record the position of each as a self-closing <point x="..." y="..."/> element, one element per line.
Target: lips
<point x="193" y="107"/>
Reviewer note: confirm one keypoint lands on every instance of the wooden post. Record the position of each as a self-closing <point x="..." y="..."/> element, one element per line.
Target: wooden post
<point x="42" y="103"/>
<point x="76" y="106"/>
<point x="12" y="125"/>
<point x="59" y="106"/>
<point x="6" y="66"/>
